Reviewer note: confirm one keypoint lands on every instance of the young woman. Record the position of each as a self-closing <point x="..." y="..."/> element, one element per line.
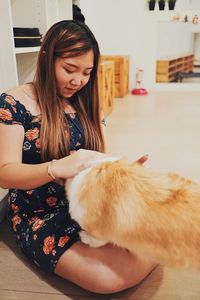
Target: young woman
<point x="50" y="130"/>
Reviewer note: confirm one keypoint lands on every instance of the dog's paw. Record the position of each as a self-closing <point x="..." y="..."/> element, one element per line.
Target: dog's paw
<point x="91" y="241"/>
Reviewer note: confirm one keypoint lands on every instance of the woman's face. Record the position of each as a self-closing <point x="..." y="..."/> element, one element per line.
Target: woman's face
<point x="73" y="73"/>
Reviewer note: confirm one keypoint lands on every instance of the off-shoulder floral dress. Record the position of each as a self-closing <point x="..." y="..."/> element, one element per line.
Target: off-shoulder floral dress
<point x="39" y="217"/>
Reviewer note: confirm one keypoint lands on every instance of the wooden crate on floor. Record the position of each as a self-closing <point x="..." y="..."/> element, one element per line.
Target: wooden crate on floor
<point x="106" y="86"/>
<point x="121" y="63"/>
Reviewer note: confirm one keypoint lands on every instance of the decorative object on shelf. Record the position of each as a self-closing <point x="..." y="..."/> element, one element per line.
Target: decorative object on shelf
<point x="151" y="4"/>
<point x="195" y="19"/>
<point x="138" y="90"/>
<point x="171" y="4"/>
<point x="176" y="18"/>
<point x="186" y="19"/>
<point x="161" y="4"/>
<point x="27" y="37"/>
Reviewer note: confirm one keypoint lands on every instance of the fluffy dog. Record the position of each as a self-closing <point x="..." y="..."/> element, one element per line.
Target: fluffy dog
<point x="151" y="214"/>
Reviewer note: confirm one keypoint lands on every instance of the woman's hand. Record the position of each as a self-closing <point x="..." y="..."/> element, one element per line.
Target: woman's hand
<point x="71" y="165"/>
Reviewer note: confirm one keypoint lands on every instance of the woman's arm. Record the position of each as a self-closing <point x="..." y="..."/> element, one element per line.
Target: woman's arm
<point x="15" y="174"/>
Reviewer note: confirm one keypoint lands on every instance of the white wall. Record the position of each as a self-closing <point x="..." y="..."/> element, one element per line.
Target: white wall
<point x="127" y="27"/>
<point x="187" y="4"/>
<point x="1" y="83"/>
<point x="167" y="42"/>
<point x="197" y="47"/>
<point x="120" y="28"/>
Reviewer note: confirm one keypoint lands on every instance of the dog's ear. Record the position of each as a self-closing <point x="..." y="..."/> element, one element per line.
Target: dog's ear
<point x="141" y="160"/>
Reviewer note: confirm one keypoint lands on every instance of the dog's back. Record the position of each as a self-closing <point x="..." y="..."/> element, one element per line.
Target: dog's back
<point x="151" y="214"/>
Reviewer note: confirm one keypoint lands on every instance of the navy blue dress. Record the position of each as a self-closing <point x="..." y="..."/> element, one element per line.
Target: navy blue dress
<point x="39" y="217"/>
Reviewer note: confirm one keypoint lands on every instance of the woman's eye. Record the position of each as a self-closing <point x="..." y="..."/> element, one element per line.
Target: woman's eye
<point x="68" y="71"/>
<point x="87" y="74"/>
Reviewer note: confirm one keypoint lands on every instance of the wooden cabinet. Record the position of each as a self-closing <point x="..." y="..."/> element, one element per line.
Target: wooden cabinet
<point x="167" y="68"/>
<point x="106" y="86"/>
<point x="17" y="65"/>
<point x="121" y="65"/>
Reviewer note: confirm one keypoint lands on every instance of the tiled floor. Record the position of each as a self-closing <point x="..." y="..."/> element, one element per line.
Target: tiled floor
<point x="167" y="126"/>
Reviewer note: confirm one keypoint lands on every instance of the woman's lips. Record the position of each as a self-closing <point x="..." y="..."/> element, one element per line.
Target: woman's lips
<point x="71" y="90"/>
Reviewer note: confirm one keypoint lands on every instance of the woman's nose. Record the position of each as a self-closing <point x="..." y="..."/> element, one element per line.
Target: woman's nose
<point x="76" y="81"/>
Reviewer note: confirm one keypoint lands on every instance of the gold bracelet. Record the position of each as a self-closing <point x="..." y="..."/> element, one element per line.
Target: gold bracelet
<point x="49" y="169"/>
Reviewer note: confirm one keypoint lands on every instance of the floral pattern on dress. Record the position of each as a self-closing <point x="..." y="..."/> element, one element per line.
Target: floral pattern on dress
<point x="5" y="114"/>
<point x="39" y="217"/>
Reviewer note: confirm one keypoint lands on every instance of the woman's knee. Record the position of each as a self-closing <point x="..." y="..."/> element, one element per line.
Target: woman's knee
<point x="111" y="282"/>
<point x="108" y="284"/>
<point x="103" y="270"/>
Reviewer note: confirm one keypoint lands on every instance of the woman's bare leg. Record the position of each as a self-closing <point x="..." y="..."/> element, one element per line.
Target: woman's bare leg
<point x="107" y="269"/>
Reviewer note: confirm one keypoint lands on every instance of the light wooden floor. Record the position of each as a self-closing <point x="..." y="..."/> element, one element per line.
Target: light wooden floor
<point x="165" y="125"/>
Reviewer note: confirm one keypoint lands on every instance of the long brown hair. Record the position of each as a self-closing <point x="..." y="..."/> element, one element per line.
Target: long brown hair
<point x="67" y="39"/>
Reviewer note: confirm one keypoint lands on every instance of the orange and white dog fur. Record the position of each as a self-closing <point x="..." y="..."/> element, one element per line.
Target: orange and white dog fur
<point x="151" y="214"/>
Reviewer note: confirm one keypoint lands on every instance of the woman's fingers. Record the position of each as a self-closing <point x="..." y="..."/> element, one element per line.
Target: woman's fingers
<point x="142" y="159"/>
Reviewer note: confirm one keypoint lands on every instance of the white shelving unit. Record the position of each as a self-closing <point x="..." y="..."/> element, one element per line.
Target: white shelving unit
<point x="17" y="65"/>
<point x="20" y="50"/>
<point x="8" y="65"/>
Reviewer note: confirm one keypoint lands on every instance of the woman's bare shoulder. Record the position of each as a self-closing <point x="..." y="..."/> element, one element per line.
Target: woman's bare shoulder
<point x="26" y="95"/>
<point x="23" y="92"/>
<point x="16" y="92"/>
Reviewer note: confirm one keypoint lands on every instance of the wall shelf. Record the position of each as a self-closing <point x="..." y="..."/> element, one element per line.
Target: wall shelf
<point x="26" y="50"/>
